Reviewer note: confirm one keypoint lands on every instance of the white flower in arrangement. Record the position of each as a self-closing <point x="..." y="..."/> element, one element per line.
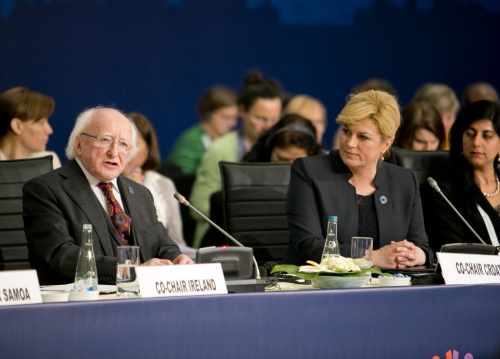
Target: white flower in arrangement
<point x="340" y="264"/>
<point x="337" y="264"/>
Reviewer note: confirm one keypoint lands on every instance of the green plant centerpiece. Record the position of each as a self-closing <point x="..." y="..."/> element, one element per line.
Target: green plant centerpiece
<point x="334" y="272"/>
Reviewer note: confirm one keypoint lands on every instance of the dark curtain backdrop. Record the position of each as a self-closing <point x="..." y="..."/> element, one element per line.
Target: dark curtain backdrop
<point x="156" y="56"/>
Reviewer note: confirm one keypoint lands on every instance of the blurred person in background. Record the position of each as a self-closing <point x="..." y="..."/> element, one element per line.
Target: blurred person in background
<point x="142" y="168"/>
<point x="310" y="108"/>
<point x="370" y="197"/>
<point x="24" y="124"/>
<point x="479" y="91"/>
<point x="473" y="185"/>
<point x="290" y="138"/>
<point x="218" y="113"/>
<point x="443" y="98"/>
<point x="375" y="83"/>
<point x="259" y="104"/>
<point x="421" y="128"/>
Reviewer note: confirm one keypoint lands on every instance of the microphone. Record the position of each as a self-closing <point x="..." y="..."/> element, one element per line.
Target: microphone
<point x="182" y="200"/>
<point x="433" y="183"/>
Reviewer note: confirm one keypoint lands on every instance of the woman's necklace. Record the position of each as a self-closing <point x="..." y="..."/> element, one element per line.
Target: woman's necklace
<point x="495" y="192"/>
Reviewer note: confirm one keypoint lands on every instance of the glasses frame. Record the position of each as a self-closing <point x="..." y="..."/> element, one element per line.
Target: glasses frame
<point x="108" y="141"/>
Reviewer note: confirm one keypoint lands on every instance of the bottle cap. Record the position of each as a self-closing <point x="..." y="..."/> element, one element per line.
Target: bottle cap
<point x="332" y="218"/>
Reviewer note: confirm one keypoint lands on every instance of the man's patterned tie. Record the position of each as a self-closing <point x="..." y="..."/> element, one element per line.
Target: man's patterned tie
<point x="119" y="218"/>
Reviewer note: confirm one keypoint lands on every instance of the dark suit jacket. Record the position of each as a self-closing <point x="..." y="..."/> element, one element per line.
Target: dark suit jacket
<point x="443" y="225"/>
<point x="319" y="188"/>
<point x="57" y="204"/>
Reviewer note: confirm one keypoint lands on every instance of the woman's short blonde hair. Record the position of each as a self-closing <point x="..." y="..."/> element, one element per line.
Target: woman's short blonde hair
<point x="301" y="104"/>
<point x="379" y="106"/>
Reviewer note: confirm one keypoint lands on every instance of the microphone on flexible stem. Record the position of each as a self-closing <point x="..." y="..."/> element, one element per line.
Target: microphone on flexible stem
<point x="182" y="200"/>
<point x="433" y="183"/>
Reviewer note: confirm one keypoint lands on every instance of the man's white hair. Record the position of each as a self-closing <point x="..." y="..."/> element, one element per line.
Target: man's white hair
<point x="81" y="123"/>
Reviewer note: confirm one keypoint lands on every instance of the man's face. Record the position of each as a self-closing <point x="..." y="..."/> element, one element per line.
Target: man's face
<point x="263" y="114"/>
<point x="104" y="145"/>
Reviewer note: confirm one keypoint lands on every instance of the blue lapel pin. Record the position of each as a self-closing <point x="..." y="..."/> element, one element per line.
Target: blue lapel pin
<point x="383" y="199"/>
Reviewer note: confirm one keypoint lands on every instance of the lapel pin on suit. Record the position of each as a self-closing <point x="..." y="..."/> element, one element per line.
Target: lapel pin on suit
<point x="383" y="199"/>
<point x="130" y="190"/>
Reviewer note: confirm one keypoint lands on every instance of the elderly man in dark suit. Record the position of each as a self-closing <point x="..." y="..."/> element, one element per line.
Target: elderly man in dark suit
<point x="90" y="189"/>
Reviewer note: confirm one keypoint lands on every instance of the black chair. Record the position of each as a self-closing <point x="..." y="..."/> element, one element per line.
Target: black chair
<point x="254" y="206"/>
<point x="13" y="175"/>
<point x="423" y="163"/>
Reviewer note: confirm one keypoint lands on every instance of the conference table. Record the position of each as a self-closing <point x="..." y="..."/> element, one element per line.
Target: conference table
<point x="405" y="322"/>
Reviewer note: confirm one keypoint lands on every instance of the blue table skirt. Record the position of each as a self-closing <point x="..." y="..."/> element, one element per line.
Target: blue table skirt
<point x="413" y="322"/>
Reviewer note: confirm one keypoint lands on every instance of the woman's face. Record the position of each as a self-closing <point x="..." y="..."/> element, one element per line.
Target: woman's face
<point x="481" y="143"/>
<point x="33" y="135"/>
<point x="223" y="120"/>
<point x="133" y="168"/>
<point x="315" y="114"/>
<point x="287" y="154"/>
<point x="361" y="145"/>
<point x="424" y="140"/>
<point x="263" y="114"/>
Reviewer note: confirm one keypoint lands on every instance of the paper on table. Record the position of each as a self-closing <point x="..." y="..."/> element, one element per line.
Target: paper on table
<point x="103" y="288"/>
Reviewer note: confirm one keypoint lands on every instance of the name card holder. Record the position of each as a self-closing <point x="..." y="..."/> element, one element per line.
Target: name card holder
<point x="181" y="280"/>
<point x="458" y="268"/>
<point x="19" y="287"/>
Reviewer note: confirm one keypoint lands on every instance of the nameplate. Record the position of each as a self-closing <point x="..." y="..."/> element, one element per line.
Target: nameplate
<point x="180" y="280"/>
<point x="19" y="287"/>
<point x="458" y="268"/>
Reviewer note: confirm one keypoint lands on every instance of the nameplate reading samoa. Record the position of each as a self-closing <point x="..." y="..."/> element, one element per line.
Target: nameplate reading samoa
<point x="172" y="281"/>
<point x="19" y="287"/>
<point x="469" y="268"/>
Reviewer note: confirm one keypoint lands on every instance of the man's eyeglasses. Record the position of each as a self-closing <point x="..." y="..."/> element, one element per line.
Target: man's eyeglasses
<point x="107" y="142"/>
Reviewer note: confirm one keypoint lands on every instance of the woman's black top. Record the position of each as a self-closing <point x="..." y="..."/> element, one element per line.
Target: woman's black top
<point x="367" y="225"/>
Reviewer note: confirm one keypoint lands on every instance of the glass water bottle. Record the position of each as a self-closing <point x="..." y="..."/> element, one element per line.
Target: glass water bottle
<point x="86" y="269"/>
<point x="332" y="247"/>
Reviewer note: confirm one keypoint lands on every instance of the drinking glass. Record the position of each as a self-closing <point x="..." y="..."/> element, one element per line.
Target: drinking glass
<point x="127" y="259"/>
<point x="361" y="251"/>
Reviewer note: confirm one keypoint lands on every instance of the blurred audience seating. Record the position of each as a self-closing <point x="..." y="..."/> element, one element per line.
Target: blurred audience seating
<point x="423" y="163"/>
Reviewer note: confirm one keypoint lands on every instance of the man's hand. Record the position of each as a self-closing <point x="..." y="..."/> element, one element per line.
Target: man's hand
<point x="157" y="262"/>
<point x="183" y="259"/>
<point x="180" y="259"/>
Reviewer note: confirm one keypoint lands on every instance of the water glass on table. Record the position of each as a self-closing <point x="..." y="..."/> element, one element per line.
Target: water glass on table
<point x="127" y="260"/>
<point x="361" y="251"/>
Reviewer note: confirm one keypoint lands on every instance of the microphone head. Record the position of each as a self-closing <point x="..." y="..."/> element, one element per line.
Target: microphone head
<point x="181" y="199"/>
<point x="433" y="183"/>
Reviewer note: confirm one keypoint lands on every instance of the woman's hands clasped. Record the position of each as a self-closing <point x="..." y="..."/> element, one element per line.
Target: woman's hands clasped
<point x="401" y="254"/>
